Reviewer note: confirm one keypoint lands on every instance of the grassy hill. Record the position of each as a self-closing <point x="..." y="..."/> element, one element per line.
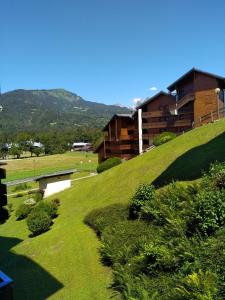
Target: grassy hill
<point x="64" y="262"/>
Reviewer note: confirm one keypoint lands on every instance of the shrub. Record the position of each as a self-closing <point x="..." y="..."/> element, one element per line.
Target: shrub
<point x="143" y="194"/>
<point x="209" y="210"/>
<point x="30" y="201"/>
<point x="120" y="240"/>
<point x="49" y="208"/>
<point x="56" y="201"/>
<point x="21" y="187"/>
<point x="163" y="138"/>
<point x="23" y="211"/>
<point x="38" y="221"/>
<point x="215" y="178"/>
<point x="198" y="286"/>
<point x="108" y="164"/>
<point x="100" y="218"/>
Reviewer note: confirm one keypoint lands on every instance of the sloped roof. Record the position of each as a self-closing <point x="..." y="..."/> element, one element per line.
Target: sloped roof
<point x="117" y="115"/>
<point x="153" y="98"/>
<point x="173" y="85"/>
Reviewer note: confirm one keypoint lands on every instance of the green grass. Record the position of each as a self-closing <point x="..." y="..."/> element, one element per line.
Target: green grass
<point x="64" y="262"/>
<point x="34" y="166"/>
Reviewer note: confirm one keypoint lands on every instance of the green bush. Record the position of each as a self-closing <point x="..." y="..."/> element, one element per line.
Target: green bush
<point x="38" y="221"/>
<point x="21" y="187"/>
<point x="144" y="193"/>
<point x="108" y="164"/>
<point x="23" y="211"/>
<point x="163" y="138"/>
<point x="100" y="218"/>
<point x="49" y="208"/>
<point x="209" y="211"/>
<point x="215" y="178"/>
<point x="56" y="201"/>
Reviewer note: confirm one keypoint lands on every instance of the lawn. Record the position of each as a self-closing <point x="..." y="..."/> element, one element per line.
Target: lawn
<point x="33" y="166"/>
<point x="64" y="262"/>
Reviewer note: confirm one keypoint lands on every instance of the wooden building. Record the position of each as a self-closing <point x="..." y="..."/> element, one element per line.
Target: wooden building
<point x="156" y="118"/>
<point x="120" y="138"/>
<point x="196" y="98"/>
<point x="200" y="92"/>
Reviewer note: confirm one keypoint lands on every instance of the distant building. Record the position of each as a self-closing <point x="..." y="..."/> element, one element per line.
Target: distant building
<point x="81" y="146"/>
<point x="194" y="99"/>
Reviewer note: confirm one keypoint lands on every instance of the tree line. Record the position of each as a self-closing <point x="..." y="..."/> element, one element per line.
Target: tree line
<point x="52" y="141"/>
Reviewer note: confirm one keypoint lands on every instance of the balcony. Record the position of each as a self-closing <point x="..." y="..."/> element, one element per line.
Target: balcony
<point x="181" y="102"/>
<point x="154" y="125"/>
<point x="183" y="123"/>
<point x="153" y="114"/>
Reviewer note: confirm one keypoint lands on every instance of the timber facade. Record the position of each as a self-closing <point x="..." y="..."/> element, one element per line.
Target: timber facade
<point x="120" y="138"/>
<point x="196" y="98"/>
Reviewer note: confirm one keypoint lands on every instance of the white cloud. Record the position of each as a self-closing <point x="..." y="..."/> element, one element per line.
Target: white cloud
<point x="153" y="88"/>
<point x="136" y="102"/>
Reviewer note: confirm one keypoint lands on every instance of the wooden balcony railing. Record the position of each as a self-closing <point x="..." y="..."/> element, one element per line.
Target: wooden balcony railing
<point x="166" y="124"/>
<point x="183" y="123"/>
<point x="154" y="125"/>
<point x="152" y="114"/>
<point x="211" y="117"/>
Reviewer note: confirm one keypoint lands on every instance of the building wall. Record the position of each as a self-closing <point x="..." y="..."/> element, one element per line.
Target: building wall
<point x="157" y="118"/>
<point x="53" y="185"/>
<point x="206" y="98"/>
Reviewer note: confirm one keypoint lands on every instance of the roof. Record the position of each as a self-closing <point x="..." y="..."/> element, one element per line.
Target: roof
<point x="117" y="115"/>
<point x="153" y="98"/>
<point x="173" y="85"/>
<point x="59" y="173"/>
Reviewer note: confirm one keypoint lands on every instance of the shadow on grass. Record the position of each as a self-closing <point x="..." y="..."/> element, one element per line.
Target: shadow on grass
<point x="31" y="281"/>
<point x="190" y="165"/>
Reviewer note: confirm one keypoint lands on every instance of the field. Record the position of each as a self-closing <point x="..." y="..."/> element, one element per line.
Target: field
<point x="63" y="263"/>
<point x="33" y="166"/>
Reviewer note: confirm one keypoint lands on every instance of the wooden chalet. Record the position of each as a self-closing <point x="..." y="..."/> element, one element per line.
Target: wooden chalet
<point x="120" y="138"/>
<point x="194" y="99"/>
<point x="200" y="93"/>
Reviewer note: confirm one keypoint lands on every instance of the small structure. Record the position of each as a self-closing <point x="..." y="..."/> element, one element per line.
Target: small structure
<point x="55" y="182"/>
<point x="81" y="146"/>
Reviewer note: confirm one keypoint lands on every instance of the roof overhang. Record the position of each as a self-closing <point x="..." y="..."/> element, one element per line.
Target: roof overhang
<point x="117" y="116"/>
<point x="172" y="87"/>
<point x="56" y="174"/>
<point x="161" y="93"/>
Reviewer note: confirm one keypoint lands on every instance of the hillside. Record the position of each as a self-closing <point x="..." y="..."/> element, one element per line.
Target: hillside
<point x="58" y="108"/>
<point x="65" y="261"/>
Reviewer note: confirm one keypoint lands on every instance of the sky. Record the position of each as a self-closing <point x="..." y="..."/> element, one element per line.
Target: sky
<point x="109" y="51"/>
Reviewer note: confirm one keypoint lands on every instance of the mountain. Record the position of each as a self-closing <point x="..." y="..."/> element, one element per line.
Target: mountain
<point x="57" y="108"/>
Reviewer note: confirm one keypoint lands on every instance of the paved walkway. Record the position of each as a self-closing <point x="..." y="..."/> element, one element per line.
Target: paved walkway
<point x="10" y="183"/>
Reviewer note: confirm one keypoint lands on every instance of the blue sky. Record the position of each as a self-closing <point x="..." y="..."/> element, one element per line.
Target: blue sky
<point x="109" y="51"/>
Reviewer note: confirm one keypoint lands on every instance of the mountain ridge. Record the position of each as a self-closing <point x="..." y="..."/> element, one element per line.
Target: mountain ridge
<point x="46" y="108"/>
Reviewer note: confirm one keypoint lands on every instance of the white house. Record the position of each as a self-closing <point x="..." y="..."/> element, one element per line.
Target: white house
<point x="55" y="182"/>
